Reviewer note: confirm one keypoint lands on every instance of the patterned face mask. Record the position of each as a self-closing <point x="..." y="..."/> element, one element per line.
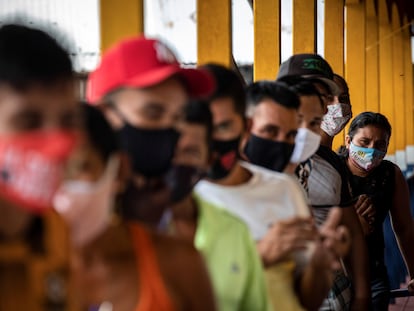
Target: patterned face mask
<point x="365" y="158"/>
<point x="336" y="118"/>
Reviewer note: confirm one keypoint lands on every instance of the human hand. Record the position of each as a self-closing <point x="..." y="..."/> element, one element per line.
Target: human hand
<point x="365" y="208"/>
<point x="335" y="240"/>
<point x="285" y="237"/>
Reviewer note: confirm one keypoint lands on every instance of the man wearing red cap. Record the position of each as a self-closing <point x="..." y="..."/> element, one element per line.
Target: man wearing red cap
<point x="142" y="90"/>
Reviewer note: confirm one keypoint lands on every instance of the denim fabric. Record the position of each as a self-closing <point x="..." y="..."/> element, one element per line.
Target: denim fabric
<point x="380" y="288"/>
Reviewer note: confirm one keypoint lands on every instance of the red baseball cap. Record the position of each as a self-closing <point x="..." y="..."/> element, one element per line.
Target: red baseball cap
<point x="141" y="62"/>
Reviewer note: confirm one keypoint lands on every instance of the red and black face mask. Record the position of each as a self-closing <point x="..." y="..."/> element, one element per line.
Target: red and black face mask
<point x="227" y="152"/>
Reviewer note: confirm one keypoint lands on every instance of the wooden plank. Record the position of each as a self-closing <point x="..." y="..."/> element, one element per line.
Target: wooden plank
<point x="398" y="82"/>
<point x="371" y="60"/>
<point x="266" y="39"/>
<point x="386" y="86"/>
<point x="334" y="46"/>
<point x="408" y="95"/>
<point x="304" y="26"/>
<point x="355" y="55"/>
<point x="334" y="35"/>
<point x="119" y="19"/>
<point x="214" y="39"/>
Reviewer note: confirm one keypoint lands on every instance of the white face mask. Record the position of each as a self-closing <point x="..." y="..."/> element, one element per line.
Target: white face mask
<point x="306" y="144"/>
<point x="87" y="206"/>
<point x="336" y="118"/>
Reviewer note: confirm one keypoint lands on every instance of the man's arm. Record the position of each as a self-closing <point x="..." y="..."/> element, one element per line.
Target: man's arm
<point x="317" y="278"/>
<point x="184" y="269"/>
<point x="358" y="259"/>
<point x="314" y="283"/>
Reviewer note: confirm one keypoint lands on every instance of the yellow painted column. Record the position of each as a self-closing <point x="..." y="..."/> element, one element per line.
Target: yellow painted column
<point x="119" y="19"/>
<point x="355" y="55"/>
<point x="304" y="22"/>
<point x="371" y="59"/>
<point x="408" y="95"/>
<point x="398" y="82"/>
<point x="334" y="46"/>
<point x="214" y="40"/>
<point x="266" y="39"/>
<point x="386" y="86"/>
<point x="334" y="35"/>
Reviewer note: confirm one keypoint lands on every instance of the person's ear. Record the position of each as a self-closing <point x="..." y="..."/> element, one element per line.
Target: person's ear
<point x="347" y="141"/>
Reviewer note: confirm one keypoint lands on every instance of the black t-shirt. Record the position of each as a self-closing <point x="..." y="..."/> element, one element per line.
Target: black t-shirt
<point x="379" y="185"/>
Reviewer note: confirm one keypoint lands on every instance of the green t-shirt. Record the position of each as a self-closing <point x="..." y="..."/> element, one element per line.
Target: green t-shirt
<point x="232" y="260"/>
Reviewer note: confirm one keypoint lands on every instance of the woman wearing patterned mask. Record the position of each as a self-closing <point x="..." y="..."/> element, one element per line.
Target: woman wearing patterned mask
<point x="380" y="188"/>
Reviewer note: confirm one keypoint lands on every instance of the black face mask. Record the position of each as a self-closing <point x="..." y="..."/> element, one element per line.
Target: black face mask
<point x="228" y="154"/>
<point x="151" y="151"/>
<point x="181" y="179"/>
<point x="268" y="154"/>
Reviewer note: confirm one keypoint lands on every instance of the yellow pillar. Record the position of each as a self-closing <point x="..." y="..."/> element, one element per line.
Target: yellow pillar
<point x="334" y="35"/>
<point x="214" y="40"/>
<point x="371" y="59"/>
<point x="409" y="96"/>
<point x="119" y="19"/>
<point x="398" y="82"/>
<point x="304" y="36"/>
<point x="386" y="87"/>
<point x="266" y="39"/>
<point x="355" y="55"/>
<point x="334" y="46"/>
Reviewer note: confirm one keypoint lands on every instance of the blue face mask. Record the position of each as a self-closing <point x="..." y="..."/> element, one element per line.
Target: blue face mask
<point x="365" y="158"/>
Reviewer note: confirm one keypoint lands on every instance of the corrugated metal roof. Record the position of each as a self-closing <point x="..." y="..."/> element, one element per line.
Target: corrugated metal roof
<point x="78" y="19"/>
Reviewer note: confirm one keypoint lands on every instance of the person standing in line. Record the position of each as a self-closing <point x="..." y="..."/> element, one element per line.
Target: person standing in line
<point x="248" y="191"/>
<point x="323" y="176"/>
<point x="141" y="89"/>
<point x="380" y="189"/>
<point x="225" y="242"/>
<point x="40" y="126"/>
